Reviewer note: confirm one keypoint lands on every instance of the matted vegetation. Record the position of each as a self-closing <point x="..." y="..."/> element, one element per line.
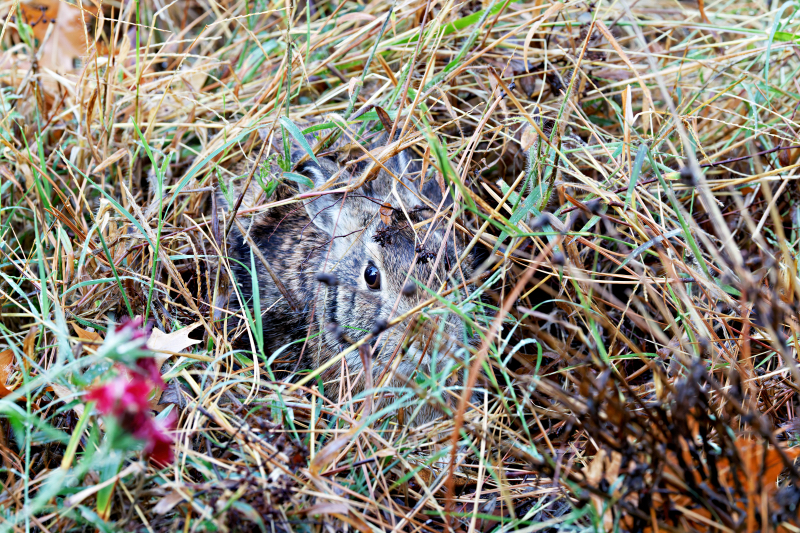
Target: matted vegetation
<point x="635" y="298"/>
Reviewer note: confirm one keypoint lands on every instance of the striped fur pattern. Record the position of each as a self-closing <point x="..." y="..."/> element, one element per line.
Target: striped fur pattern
<point x="335" y="234"/>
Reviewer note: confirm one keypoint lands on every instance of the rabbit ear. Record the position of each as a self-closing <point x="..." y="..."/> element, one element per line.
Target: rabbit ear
<point x="398" y="183"/>
<point x="409" y="183"/>
<point x="326" y="210"/>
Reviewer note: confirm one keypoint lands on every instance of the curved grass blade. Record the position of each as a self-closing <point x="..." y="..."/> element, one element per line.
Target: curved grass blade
<point x="295" y="132"/>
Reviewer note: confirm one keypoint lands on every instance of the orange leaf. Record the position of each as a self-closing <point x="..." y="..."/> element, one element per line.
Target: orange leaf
<point x="328" y="453"/>
<point x="6" y="367"/>
<point x="386" y="214"/>
<point x="69" y="40"/>
<point x="384" y="117"/>
<point x="753" y="457"/>
<point x="91" y="337"/>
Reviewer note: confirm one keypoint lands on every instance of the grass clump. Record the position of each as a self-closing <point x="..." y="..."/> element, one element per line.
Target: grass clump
<point x="625" y="174"/>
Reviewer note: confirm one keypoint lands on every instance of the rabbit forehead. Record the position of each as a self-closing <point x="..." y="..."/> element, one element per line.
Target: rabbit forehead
<point x="374" y="252"/>
<point x="397" y="257"/>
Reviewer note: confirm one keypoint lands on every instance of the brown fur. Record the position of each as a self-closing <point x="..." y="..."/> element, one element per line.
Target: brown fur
<point x="296" y="239"/>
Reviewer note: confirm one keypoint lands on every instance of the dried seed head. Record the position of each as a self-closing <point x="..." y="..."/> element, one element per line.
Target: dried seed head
<point x="380" y="326"/>
<point x="595" y="206"/>
<point x="336" y="330"/>
<point x="327" y="278"/>
<point x="539" y="222"/>
<point x="688" y="177"/>
<point x="409" y="289"/>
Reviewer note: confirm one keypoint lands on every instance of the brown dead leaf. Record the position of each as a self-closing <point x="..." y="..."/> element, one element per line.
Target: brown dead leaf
<point x="68" y="38"/>
<point x="110" y="160"/>
<point x="386" y="214"/>
<point x="168" y="502"/>
<point x="39" y="15"/>
<point x="356" y="16"/>
<point x="440" y="182"/>
<point x="754" y="459"/>
<point x="166" y="345"/>
<point x="65" y="394"/>
<point x="170" y="343"/>
<point x="385" y="119"/>
<point x="603" y="467"/>
<point x="529" y="136"/>
<point x="496" y="88"/>
<point x="328" y="508"/>
<point x="29" y="346"/>
<point x="555" y="8"/>
<point x="328" y="453"/>
<point x="92" y="338"/>
<point x="354" y="521"/>
<point x="86" y="336"/>
<point x="351" y="86"/>
<point x="6" y="367"/>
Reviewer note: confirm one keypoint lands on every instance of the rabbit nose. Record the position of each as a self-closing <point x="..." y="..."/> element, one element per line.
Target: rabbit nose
<point x="430" y="337"/>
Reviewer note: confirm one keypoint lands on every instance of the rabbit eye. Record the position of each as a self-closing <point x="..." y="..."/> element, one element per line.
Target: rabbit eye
<point x="373" y="277"/>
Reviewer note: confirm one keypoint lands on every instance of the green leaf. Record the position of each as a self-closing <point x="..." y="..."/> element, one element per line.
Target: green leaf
<point x="258" y="330"/>
<point x="773" y="31"/>
<point x="785" y="36"/>
<point x="637" y="169"/>
<point x="299" y="178"/>
<point x="295" y="132"/>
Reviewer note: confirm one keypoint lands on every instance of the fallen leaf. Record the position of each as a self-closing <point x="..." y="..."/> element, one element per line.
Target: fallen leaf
<point x="68" y="38"/>
<point x="110" y="160"/>
<point x="172" y="395"/>
<point x="166" y="345"/>
<point x="356" y="16"/>
<point x="440" y="182"/>
<point x="29" y="346"/>
<point x="168" y="502"/>
<point x="754" y="458"/>
<point x="351" y="86"/>
<point x="6" y="367"/>
<point x="386" y="214"/>
<point x="497" y="89"/>
<point x="603" y="467"/>
<point x="169" y="344"/>
<point x="328" y="453"/>
<point x="65" y="394"/>
<point x="384" y="117"/>
<point x="87" y="336"/>
<point x="529" y="136"/>
<point x="328" y="508"/>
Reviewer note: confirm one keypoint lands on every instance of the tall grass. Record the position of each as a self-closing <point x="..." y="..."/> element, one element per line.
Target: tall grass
<point x="636" y="296"/>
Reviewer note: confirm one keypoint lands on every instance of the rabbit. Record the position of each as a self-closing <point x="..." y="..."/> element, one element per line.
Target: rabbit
<point x="346" y="271"/>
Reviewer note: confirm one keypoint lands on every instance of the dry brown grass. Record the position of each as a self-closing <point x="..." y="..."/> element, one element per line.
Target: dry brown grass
<point x="641" y="348"/>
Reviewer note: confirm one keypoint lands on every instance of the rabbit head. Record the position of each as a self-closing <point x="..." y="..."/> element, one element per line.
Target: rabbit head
<point x="389" y="252"/>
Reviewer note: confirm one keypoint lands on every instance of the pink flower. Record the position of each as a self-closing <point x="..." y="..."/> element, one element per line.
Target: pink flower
<point x="135" y="326"/>
<point x="121" y="395"/>
<point x="149" y="366"/>
<point x="158" y="442"/>
<point x="126" y="399"/>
